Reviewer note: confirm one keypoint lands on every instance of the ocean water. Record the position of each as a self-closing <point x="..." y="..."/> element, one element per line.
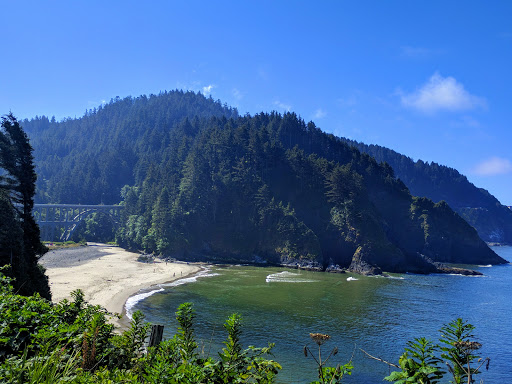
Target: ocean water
<point x="376" y="314"/>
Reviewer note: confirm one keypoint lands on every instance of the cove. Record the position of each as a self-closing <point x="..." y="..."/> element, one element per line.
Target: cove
<point x="376" y="314"/>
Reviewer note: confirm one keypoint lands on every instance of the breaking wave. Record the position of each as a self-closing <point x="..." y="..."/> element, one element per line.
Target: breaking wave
<point x="287" y="277"/>
<point x="133" y="300"/>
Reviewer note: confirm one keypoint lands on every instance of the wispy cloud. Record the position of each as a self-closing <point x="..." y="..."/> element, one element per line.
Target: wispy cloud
<point x="208" y="89"/>
<point x="280" y="105"/>
<point x="320" y="113"/>
<point x="493" y="166"/>
<point x="95" y="103"/>
<point x="189" y="86"/>
<point x="441" y="94"/>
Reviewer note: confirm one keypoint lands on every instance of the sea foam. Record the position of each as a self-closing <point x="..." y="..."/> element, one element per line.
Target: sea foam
<point x="133" y="300"/>
<point x="287" y="277"/>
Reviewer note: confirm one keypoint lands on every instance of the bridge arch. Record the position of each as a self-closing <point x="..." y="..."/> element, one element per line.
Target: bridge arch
<point x="61" y="220"/>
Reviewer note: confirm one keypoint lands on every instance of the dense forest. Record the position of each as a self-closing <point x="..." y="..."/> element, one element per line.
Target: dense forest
<point x="478" y="207"/>
<point x="89" y="160"/>
<point x="197" y="180"/>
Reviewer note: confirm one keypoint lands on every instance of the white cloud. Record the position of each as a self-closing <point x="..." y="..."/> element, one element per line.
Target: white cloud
<point x="493" y="166"/>
<point x="194" y="86"/>
<point x="284" y="106"/>
<point x="207" y="90"/>
<point x="441" y="93"/>
<point x="95" y="103"/>
<point x="320" y="113"/>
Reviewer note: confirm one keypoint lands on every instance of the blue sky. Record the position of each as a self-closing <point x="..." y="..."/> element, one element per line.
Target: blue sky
<point x="428" y="79"/>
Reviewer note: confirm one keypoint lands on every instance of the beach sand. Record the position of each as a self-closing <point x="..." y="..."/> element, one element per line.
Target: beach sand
<point x="108" y="275"/>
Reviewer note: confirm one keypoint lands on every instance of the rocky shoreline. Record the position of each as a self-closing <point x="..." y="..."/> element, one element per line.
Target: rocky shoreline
<point x="359" y="265"/>
<point x="365" y="269"/>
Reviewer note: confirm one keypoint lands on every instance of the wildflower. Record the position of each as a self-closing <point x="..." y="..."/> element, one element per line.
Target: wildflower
<point x="467" y="346"/>
<point x="319" y="338"/>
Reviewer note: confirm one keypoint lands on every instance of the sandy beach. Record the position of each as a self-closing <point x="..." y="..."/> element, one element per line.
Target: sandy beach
<point x="108" y="275"/>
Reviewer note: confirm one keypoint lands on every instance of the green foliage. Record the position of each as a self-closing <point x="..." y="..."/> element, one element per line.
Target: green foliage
<point x="420" y="361"/>
<point x="72" y="342"/>
<point x="334" y="375"/>
<point x="231" y="353"/>
<point x="178" y="361"/>
<point x="129" y="346"/>
<point x="31" y="324"/>
<point x="97" y="227"/>
<point x="243" y="366"/>
<point x="459" y="350"/>
<point x="47" y="367"/>
<point x="326" y="374"/>
<point x="186" y="339"/>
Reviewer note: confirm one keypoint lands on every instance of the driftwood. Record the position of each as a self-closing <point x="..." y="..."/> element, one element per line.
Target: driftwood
<point x="378" y="359"/>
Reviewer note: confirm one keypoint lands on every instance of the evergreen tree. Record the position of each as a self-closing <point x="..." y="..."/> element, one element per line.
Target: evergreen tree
<point x="18" y="184"/>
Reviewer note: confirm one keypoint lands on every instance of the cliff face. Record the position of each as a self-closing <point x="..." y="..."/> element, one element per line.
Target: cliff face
<point x="419" y="240"/>
<point x="450" y="239"/>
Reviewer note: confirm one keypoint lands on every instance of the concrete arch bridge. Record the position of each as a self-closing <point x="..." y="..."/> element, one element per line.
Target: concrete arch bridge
<point x="59" y="221"/>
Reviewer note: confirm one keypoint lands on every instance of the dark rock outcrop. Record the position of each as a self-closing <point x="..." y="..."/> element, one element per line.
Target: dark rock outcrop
<point x="457" y="271"/>
<point x="361" y="265"/>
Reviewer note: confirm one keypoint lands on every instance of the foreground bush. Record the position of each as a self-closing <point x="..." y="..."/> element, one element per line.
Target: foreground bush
<point x="72" y="342"/>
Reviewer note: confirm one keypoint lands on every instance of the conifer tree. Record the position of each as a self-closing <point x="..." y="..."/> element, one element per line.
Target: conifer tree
<point x="18" y="183"/>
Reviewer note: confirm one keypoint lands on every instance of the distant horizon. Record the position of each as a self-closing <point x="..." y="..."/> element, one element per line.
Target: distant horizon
<point x="428" y="80"/>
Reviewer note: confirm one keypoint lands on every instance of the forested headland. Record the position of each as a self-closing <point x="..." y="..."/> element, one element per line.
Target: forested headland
<point x="197" y="180"/>
<point x="477" y="206"/>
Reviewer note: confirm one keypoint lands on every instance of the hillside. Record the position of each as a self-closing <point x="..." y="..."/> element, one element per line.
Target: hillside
<point x="478" y="207"/>
<point x="199" y="181"/>
<point x="89" y="160"/>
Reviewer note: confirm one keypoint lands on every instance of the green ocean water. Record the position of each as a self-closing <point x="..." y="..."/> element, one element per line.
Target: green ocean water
<point x="377" y="314"/>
